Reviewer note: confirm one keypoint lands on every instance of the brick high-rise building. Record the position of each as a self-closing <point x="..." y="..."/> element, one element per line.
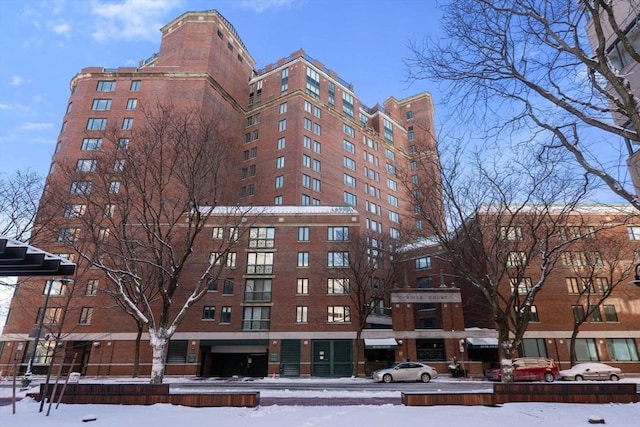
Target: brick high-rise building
<point x="302" y="143"/>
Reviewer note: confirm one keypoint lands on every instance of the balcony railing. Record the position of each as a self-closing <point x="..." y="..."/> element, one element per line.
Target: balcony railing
<point x="255" y="325"/>
<point x="260" y="269"/>
<point x="257" y="296"/>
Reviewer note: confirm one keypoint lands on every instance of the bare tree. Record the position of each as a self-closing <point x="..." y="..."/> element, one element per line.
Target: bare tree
<point x="602" y="260"/>
<point x="19" y="195"/>
<point x="512" y="66"/>
<point x="367" y="279"/>
<point x="139" y="211"/>
<point x="498" y="226"/>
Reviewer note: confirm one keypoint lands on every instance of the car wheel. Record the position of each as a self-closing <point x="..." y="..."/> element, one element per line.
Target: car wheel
<point x="387" y="378"/>
<point x="425" y="378"/>
<point x="614" y="377"/>
<point x="548" y="377"/>
<point x="579" y="378"/>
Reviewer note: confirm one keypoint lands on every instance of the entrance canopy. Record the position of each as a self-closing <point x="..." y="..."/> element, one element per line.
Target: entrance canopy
<point x="381" y="343"/>
<point x="482" y="342"/>
<point x="21" y="259"/>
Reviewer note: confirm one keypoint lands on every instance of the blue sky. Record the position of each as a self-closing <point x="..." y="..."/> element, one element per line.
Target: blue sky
<point x="46" y="42"/>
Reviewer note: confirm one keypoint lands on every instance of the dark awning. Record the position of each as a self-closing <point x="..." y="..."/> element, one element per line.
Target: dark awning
<point x="380" y="343"/>
<point x="482" y="342"/>
<point x="22" y="259"/>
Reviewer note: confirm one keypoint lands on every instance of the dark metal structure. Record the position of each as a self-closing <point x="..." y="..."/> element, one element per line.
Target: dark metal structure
<point x="22" y="259"/>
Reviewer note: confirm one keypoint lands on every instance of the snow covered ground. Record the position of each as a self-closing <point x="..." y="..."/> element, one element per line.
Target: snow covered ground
<point x="160" y="415"/>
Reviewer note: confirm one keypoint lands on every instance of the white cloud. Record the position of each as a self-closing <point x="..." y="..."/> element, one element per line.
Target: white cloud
<point x="17" y="80"/>
<point x="64" y="29"/>
<point x="259" y="6"/>
<point x="3" y="106"/>
<point x="27" y="126"/>
<point x="130" y="19"/>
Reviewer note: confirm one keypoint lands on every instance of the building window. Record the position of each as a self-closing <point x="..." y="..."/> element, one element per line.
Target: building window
<point x="348" y="130"/>
<point x="85" y="316"/>
<point x="231" y="260"/>
<point x="349" y="180"/>
<point x="74" y="211"/>
<point x="257" y="290"/>
<point x="303" y="234"/>
<point x="132" y="104"/>
<point x="54" y="288"/>
<point x="80" y="187"/>
<point x="208" y="312"/>
<point x="307" y="123"/>
<point x="123" y="143"/>
<point x="602" y="284"/>
<point x="260" y="263"/>
<point x="338" y="259"/>
<point x="282" y="108"/>
<point x="281" y="143"/>
<point x="101" y="105"/>
<point x="68" y="235"/>
<point x="127" y="123"/>
<point x="302" y="287"/>
<point x="512" y="233"/>
<point x="423" y="263"/>
<point x="349" y="163"/>
<point x="212" y="284"/>
<point x="96" y="124"/>
<point x="256" y="318"/>
<point x="622" y="349"/>
<point x="522" y="285"/>
<point x="338" y="286"/>
<point x="578" y="313"/>
<point x="392" y="184"/>
<point x="305" y="200"/>
<point x="338" y="233"/>
<point x="317" y="185"/>
<point x="86" y="165"/>
<point x="317" y="147"/>
<point x="106" y="86"/>
<point x="217" y="233"/>
<point x="348" y="146"/>
<point x="51" y="316"/>
<point x="572" y="285"/>
<point x="338" y="314"/>
<point x="262" y="237"/>
<point x="91" y="288"/>
<point x="610" y="313"/>
<point x="306" y="161"/>
<point x="347" y="104"/>
<point x="313" y="82"/>
<point x="533" y="347"/>
<point x="350" y="199"/>
<point x="225" y="315"/>
<point x="118" y="165"/>
<point x="284" y="81"/>
<point x="586" y="349"/>
<point x="277" y="200"/>
<point x="596" y="316"/>
<point x="114" y="187"/>
<point x="301" y="314"/>
<point x="135" y="86"/>
<point x="91" y="144"/>
<point x="282" y="125"/>
<point x="516" y="259"/>
<point x="634" y="232"/>
<point x="388" y="130"/>
<point x="317" y="166"/>
<point x="227" y="287"/>
<point x="303" y="259"/>
<point x="279" y="181"/>
<point x="409" y="115"/>
<point x="317" y="129"/>
<point x="280" y="162"/>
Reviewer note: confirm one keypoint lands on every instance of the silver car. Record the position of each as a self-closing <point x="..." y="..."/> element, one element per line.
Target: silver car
<point x="406" y="371"/>
<point x="591" y="371"/>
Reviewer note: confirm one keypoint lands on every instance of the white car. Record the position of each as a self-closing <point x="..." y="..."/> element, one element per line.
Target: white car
<point x="406" y="371"/>
<point x="591" y="371"/>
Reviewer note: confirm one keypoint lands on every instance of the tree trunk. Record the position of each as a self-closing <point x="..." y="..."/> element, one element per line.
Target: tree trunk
<point x="572" y="347"/>
<point x="505" y="353"/>
<point x="136" y="355"/>
<point x="356" y="355"/>
<point x="159" y="342"/>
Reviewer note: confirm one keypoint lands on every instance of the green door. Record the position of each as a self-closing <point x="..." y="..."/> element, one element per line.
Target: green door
<point x="331" y="358"/>
<point x="290" y="358"/>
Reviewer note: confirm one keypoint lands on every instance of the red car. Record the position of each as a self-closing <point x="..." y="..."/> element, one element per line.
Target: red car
<point x="529" y="369"/>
